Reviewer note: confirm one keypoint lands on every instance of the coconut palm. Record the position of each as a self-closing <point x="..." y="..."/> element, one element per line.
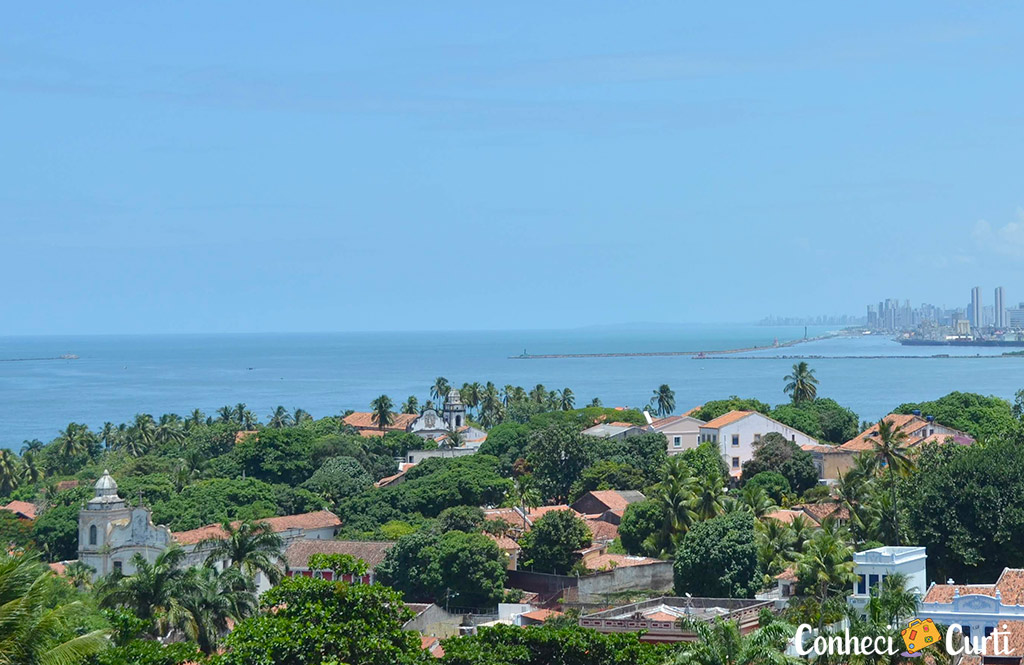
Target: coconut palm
<point x="472" y="394"/>
<point x="775" y="546"/>
<point x="248" y="546"/>
<point x="539" y="394"/>
<point x="108" y="435"/>
<point x="664" y="400"/>
<point x="757" y="501"/>
<point x="526" y="496"/>
<point x="280" y="418"/>
<point x="566" y="400"/>
<point x="10" y="472"/>
<point x="508" y="394"/>
<point x="195" y="419"/>
<point x="439" y="391"/>
<point x="170" y="429"/>
<point x="595" y="402"/>
<point x="209" y="599"/>
<point x="890" y="447"/>
<point x="31" y="472"/>
<point x="31" y="446"/>
<point x="382" y="415"/>
<point x="226" y="414"/>
<point x="32" y="632"/>
<point x="801" y="385"/>
<point x="802" y="530"/>
<point x="73" y="442"/>
<point x="151" y="593"/>
<point x="492" y="411"/>
<point x="721" y="643"/>
<point x="826" y="566"/>
<point x="301" y="416"/>
<point x="707" y="502"/>
<point x="451" y="440"/>
<point x="411" y="405"/>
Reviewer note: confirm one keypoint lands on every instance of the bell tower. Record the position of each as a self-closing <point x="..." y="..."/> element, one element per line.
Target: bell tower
<point x="454" y="410"/>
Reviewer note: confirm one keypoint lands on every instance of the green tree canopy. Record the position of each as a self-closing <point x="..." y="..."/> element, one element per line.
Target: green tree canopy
<point x="776" y="453"/>
<point x="717" y="558"/>
<point x="981" y="417"/>
<point x="720" y="407"/>
<point x="550" y="546"/>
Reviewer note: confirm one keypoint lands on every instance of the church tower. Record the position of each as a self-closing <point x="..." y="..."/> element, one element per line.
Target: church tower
<point x="454" y="413"/>
<point x="110" y="533"/>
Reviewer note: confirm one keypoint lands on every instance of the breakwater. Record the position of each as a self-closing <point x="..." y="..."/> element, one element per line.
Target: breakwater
<point x="661" y="354"/>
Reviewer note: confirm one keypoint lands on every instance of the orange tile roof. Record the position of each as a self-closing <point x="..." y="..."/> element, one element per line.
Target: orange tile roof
<point x="612" y="498"/>
<point x="609" y="561"/>
<point x="505" y="544"/>
<point x="22" y="508"/>
<point x="432" y="645"/>
<point x="601" y="531"/>
<point x="58" y="568"/>
<point x="661" y="616"/>
<point x="727" y="419"/>
<point x="786" y="516"/>
<point x="905" y="421"/>
<point x="1010" y="586"/>
<point x="320" y="519"/>
<point x="365" y="420"/>
<point x="819" y="511"/>
<point x="693" y="410"/>
<point x="536" y="513"/>
<point x="788" y="575"/>
<point x="541" y="615"/>
<point x="241" y="434"/>
<point x="372" y="552"/>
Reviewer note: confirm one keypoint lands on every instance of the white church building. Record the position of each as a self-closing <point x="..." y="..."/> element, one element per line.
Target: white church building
<point x="110" y="533"/>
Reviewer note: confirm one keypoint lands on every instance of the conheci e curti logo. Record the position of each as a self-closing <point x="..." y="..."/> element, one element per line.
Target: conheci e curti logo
<point x="918" y="635"/>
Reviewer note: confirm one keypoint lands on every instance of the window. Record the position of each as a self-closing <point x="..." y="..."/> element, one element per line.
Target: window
<point x="967" y="632"/>
<point x="757" y="438"/>
<point x="735" y="439"/>
<point x="458" y="421"/>
<point x="872" y="582"/>
<point x="118" y="566"/>
<point x="677" y="441"/>
<point x="735" y="462"/>
<point x="862" y="586"/>
<point x="988" y="630"/>
<point x="794" y="437"/>
<point x="92" y="535"/>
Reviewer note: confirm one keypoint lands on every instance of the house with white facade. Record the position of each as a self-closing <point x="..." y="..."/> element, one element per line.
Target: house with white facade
<point x="873" y="566"/>
<point x="682" y="433"/>
<point x="737" y="434"/>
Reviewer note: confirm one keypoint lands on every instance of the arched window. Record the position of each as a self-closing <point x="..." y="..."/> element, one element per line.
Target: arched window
<point x="458" y="421"/>
<point x="92" y="535"/>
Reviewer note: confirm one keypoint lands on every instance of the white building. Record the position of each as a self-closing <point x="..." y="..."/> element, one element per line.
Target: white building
<point x="737" y="433"/>
<point x="873" y="566"/>
<point x="110" y="533"/>
<point x="681" y="432"/>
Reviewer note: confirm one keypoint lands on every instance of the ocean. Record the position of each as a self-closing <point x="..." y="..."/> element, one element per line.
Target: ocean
<point x="116" y="377"/>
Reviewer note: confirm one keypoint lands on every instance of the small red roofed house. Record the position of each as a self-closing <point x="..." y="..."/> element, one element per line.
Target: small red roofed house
<point x="22" y="509"/>
<point x="366" y="423"/>
<point x="608" y="504"/>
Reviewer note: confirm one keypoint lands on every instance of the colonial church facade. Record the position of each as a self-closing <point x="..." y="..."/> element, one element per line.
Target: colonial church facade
<point x="110" y="533"/>
<point x="430" y="424"/>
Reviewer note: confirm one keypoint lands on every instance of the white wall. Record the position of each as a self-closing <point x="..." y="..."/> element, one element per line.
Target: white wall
<point x="748" y="431"/>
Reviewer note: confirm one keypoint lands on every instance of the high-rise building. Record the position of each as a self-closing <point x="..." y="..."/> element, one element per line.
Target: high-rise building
<point x="974" y="313"/>
<point x="1000" y="313"/>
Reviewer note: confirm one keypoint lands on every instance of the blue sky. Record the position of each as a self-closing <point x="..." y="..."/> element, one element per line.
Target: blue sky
<point x="208" y="167"/>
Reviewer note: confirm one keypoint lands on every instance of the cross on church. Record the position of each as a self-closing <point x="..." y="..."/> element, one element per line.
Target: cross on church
<point x="140" y="498"/>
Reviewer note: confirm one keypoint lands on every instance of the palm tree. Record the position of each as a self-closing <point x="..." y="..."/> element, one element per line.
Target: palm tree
<point x="566" y="400"/>
<point x="249" y="547"/>
<point x="73" y="442"/>
<point x="31" y="472"/>
<point x="451" y="440"/>
<point x="508" y="394"/>
<point x="226" y="414"/>
<point x="802" y="386"/>
<point x="32" y="632"/>
<point x="664" y="400"/>
<point x="209" y="599"/>
<point x="674" y="493"/>
<point x="195" y="419"/>
<point x="31" y="446"/>
<point x="411" y="405"/>
<point x="301" y="416"/>
<point x="890" y="447"/>
<point x="381" y="412"/>
<point x="595" y="402"/>
<point x="526" y="496"/>
<point x="802" y="530"/>
<point x="108" y="435"/>
<point x="10" y="473"/>
<point x="280" y="418"/>
<point x="151" y="593"/>
<point x="775" y="546"/>
<point x="539" y="394"/>
<point x="757" y="501"/>
<point x="471" y="394"/>
<point x="721" y="643"/>
<point x="143" y="430"/>
<point x="826" y="566"/>
<point x="707" y="502"/>
<point x="170" y="429"/>
<point x="439" y="391"/>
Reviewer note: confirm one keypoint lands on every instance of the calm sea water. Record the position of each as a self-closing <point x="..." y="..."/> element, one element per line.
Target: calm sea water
<point x="119" y="376"/>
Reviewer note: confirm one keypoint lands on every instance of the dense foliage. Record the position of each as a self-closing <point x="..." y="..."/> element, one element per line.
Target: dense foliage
<point x="718" y="558"/>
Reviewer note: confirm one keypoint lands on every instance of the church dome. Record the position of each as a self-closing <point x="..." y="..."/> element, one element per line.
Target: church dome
<point x="454" y="397"/>
<point x="106" y="490"/>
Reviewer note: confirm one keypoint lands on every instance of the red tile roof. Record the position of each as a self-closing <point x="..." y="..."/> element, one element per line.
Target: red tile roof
<point x="21" y="509"/>
<point x="536" y="513"/>
<point x="614" y="499"/>
<point x="365" y="420"/>
<point x="602" y="532"/>
<point x="1010" y="586"/>
<point x="58" y="568"/>
<point x="727" y="419"/>
<point x="372" y="552"/>
<point x="242" y="434"/>
<point x="541" y="615"/>
<point x="786" y="516"/>
<point x="320" y="519"/>
<point x="505" y="544"/>
<point x="819" y="511"/>
<point x="909" y="423"/>
<point x="788" y="575"/>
